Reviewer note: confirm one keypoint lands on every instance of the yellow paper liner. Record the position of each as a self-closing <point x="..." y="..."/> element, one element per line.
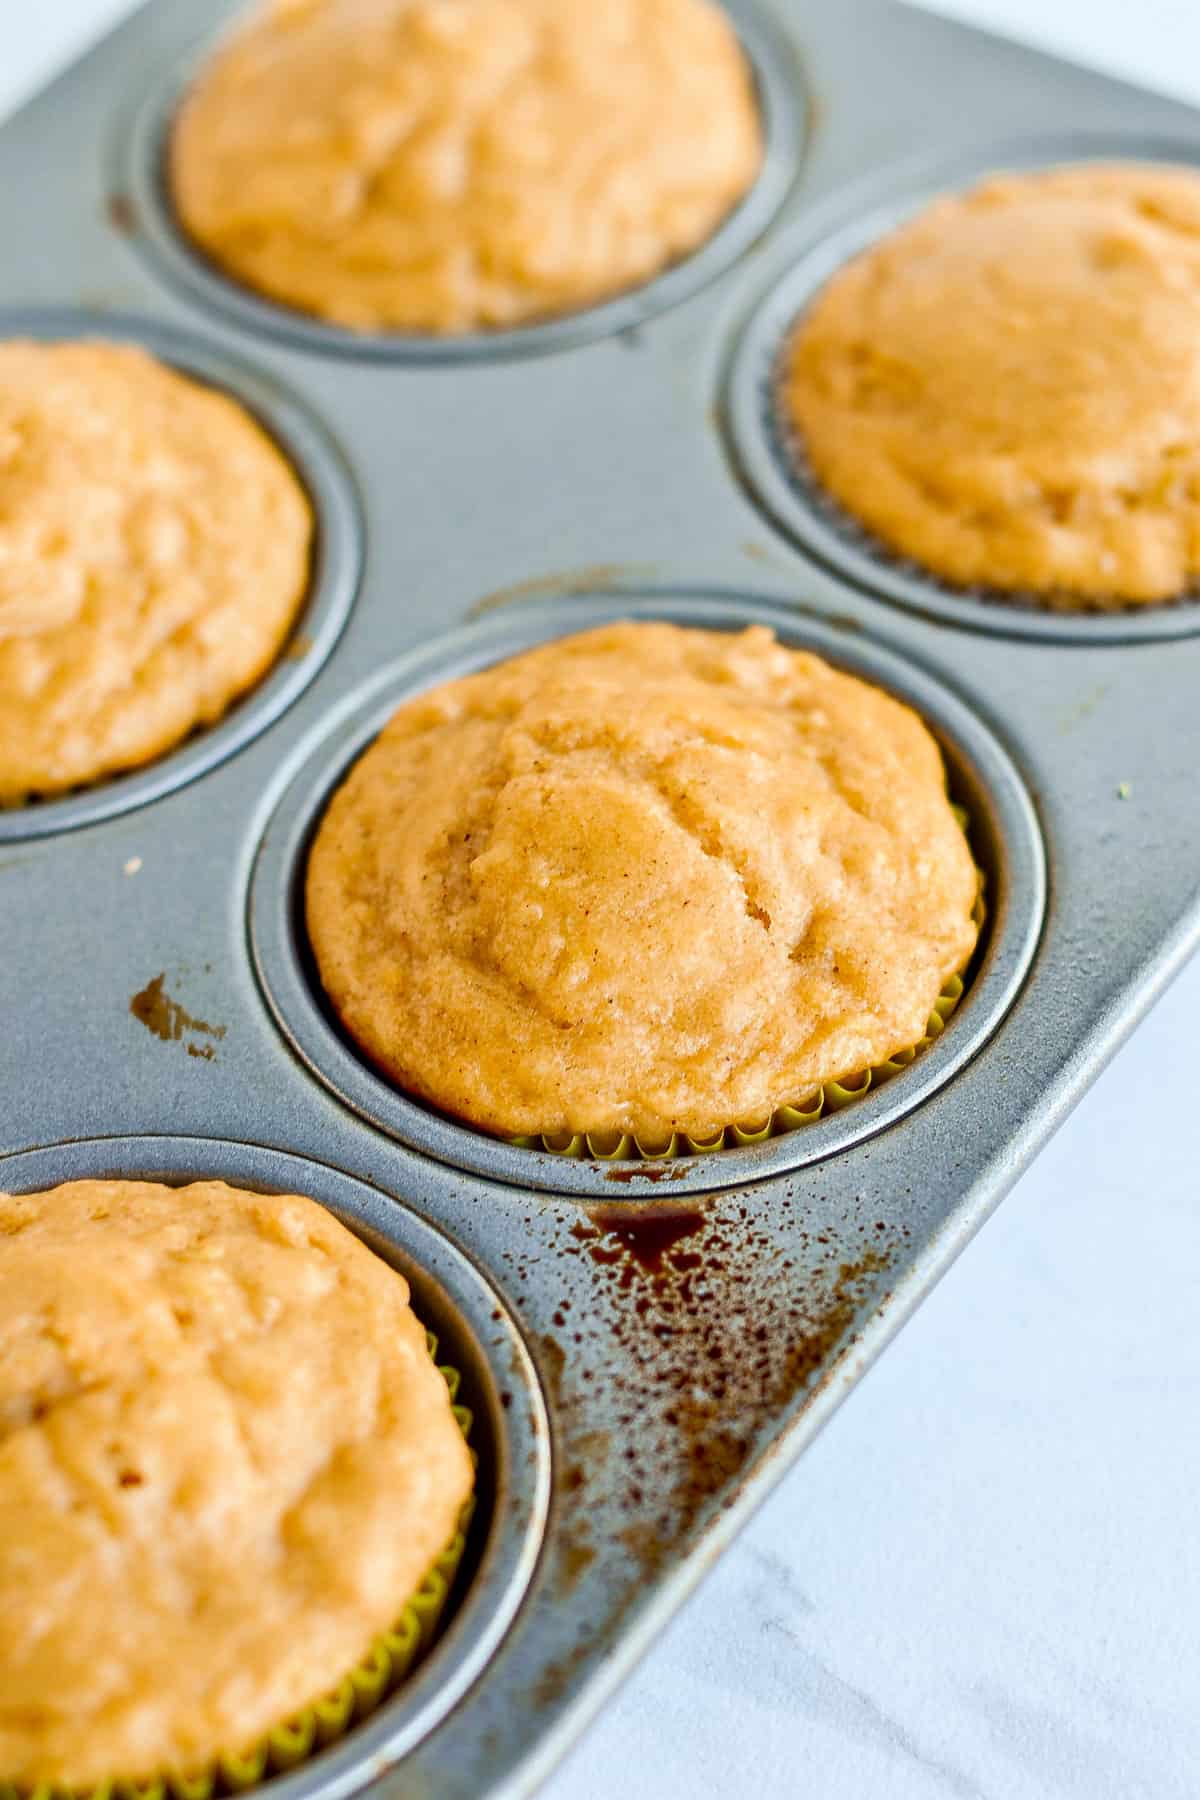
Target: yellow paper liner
<point x="391" y="1658"/>
<point x="616" y="1146"/>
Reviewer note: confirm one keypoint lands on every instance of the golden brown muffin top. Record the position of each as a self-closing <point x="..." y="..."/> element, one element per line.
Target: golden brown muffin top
<point x="646" y="878"/>
<point x="1007" y="389"/>
<point x="154" y="551"/>
<point x="226" y="1464"/>
<point x="448" y="165"/>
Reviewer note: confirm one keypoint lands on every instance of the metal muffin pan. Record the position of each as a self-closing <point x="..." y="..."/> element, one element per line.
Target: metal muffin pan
<point x="475" y="1336"/>
<point x="773" y="469"/>
<point x="688" y="1343"/>
<point x="1004" y="831"/>
<point x="142" y="174"/>
<point x="333" y="582"/>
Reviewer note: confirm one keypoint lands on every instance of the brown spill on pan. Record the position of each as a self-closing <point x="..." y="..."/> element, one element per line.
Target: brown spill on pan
<point x="567" y="584"/>
<point x="167" y="1019"/>
<point x="628" y="1173"/>
<point x="122" y="214"/>
<point x="718" y="1329"/>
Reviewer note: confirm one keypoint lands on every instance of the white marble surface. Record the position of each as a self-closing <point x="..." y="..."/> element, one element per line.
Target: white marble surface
<point x="983" y="1582"/>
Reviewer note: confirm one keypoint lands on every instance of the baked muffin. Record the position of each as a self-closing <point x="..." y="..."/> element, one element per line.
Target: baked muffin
<point x="445" y="166"/>
<point x="226" y="1464"/>
<point x="154" y="552"/>
<point x="1007" y="389"/>
<point x="647" y="879"/>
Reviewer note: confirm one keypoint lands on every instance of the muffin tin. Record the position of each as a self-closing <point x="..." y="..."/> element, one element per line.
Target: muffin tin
<point x="651" y="1344"/>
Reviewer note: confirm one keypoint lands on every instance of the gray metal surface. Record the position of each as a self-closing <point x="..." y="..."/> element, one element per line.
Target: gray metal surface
<point x="687" y="1346"/>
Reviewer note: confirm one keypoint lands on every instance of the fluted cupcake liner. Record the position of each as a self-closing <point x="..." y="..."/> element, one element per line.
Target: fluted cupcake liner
<point x="391" y="1658"/>
<point x="622" y="1146"/>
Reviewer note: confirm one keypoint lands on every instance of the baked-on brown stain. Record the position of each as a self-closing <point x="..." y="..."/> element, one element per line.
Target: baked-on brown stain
<point x="577" y="1559"/>
<point x="570" y="1543"/>
<point x="154" y="1008"/>
<point x="122" y="214"/>
<point x="565" y="585"/>
<point x="718" y="1330"/>
<point x="640" y="1243"/>
<point x="652" y="1172"/>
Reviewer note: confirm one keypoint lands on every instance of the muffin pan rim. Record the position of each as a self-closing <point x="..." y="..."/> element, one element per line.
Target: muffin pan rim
<point x="858" y="215"/>
<point x="336" y="570"/>
<point x="476" y="1627"/>
<point x="139" y="182"/>
<point x="290" y="810"/>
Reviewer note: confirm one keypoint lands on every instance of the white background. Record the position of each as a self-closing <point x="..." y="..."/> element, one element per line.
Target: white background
<point x="984" y="1580"/>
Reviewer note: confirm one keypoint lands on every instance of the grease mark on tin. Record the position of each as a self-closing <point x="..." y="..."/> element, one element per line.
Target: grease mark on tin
<point x="1081" y="710"/>
<point x="122" y="214"/>
<point x="673" y="1171"/>
<point x="718" y="1324"/>
<point x="565" y="585"/>
<point x="577" y="1560"/>
<point x="167" y="1019"/>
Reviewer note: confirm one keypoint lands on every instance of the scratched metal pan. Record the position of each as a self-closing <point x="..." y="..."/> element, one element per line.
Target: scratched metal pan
<point x="687" y="1337"/>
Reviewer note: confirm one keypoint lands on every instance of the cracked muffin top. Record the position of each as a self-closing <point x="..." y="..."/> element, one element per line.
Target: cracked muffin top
<point x="154" y="552"/>
<point x="645" y="879"/>
<point x="227" y="1462"/>
<point x="1007" y="389"/>
<point x="445" y="166"/>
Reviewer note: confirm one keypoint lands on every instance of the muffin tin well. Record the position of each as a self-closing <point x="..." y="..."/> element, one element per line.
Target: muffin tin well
<point x="773" y="467"/>
<point x="476" y="1335"/>
<point x="140" y="178"/>
<point x="333" y="583"/>
<point x="1005" y="834"/>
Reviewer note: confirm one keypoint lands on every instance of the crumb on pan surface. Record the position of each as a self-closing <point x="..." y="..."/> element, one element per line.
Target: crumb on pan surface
<point x="1006" y="389"/>
<point x="448" y="165"/>
<point x="646" y="879"/>
<point x="227" y="1462"/>
<point x="154" y="551"/>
